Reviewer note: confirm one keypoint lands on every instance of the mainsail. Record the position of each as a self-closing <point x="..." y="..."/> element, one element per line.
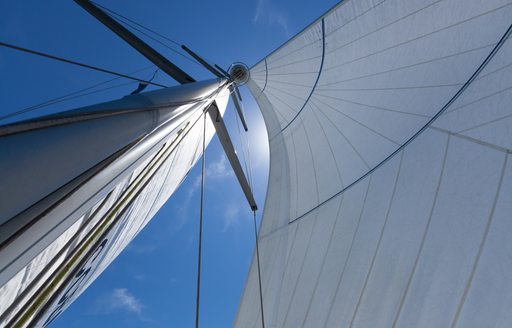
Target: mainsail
<point x="389" y="197"/>
<point x="78" y="186"/>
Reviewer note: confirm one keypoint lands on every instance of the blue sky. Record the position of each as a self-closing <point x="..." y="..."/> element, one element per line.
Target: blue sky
<point x="152" y="283"/>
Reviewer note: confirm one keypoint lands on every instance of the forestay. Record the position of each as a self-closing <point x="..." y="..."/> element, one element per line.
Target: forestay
<point x="389" y="198"/>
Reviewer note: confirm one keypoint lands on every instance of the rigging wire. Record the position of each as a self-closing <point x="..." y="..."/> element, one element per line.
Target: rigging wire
<point x="249" y="175"/>
<point x="95" y="68"/>
<point x="200" y="223"/>
<point x="127" y="21"/>
<point x="138" y="24"/>
<point x="259" y="270"/>
<point x="72" y="95"/>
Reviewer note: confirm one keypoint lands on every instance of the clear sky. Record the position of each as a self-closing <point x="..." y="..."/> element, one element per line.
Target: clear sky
<point x="152" y="283"/>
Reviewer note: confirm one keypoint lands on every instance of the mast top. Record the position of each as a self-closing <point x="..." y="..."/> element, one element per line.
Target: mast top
<point x="239" y="73"/>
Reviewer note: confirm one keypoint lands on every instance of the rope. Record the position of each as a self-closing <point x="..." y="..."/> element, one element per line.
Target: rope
<point x="248" y="169"/>
<point x="143" y="86"/>
<point x="71" y="95"/>
<point x="259" y="270"/>
<point x="200" y="225"/>
<point x="99" y="69"/>
<point x="127" y="22"/>
<point x="138" y="24"/>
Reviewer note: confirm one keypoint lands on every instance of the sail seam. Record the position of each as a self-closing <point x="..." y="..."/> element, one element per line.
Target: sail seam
<point x="368" y="106"/>
<point x="112" y="218"/>
<point x="424" y="127"/>
<point x="473" y="140"/>
<point x="317" y="78"/>
<point x="322" y="128"/>
<point x="324" y="259"/>
<point x="310" y="234"/>
<point x="47" y="268"/>
<point x="266" y="79"/>
<point x="301" y="270"/>
<point x="480" y="99"/>
<point x="343" y="135"/>
<point x="415" y="39"/>
<point x="480" y="248"/>
<point x="324" y="15"/>
<point x="424" y="237"/>
<point x="381" y="236"/>
<point x="420" y="63"/>
<point x="349" y="253"/>
<point x="383" y="136"/>
<point x="55" y="227"/>
<point x="66" y="190"/>
<point x="287" y="264"/>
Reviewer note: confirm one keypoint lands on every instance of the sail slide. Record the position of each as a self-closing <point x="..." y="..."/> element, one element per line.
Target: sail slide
<point x="78" y="186"/>
<point x="389" y="197"/>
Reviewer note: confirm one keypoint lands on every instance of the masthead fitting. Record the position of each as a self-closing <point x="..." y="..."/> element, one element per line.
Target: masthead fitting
<point x="239" y="73"/>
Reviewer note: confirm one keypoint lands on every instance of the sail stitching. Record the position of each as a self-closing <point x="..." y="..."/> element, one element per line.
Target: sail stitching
<point x="355" y="40"/>
<point x="480" y="248"/>
<point x="291" y="95"/>
<point x="324" y="259"/>
<point x="383" y="26"/>
<point x="418" y="37"/>
<point x="424" y="237"/>
<point x="326" y="14"/>
<point x="342" y="134"/>
<point x="381" y="236"/>
<point x="420" y="63"/>
<point x="371" y="106"/>
<point x="349" y="253"/>
<point x="471" y="139"/>
<point x="292" y="297"/>
<point x="479" y="99"/>
<point x="317" y="78"/>
<point x="427" y="125"/>
<point x="271" y="94"/>
<point x="312" y="228"/>
<point x="47" y="267"/>
<point x="358" y="122"/>
<point x="322" y="128"/>
<point x="63" y="220"/>
<point x="46" y="298"/>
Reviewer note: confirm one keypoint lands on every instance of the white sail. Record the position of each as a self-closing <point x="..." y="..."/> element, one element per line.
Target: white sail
<point x="389" y="200"/>
<point x="80" y="185"/>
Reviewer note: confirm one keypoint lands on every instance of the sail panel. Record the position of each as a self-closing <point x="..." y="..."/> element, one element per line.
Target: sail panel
<point x="154" y="167"/>
<point x="388" y="168"/>
<point x="80" y="139"/>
